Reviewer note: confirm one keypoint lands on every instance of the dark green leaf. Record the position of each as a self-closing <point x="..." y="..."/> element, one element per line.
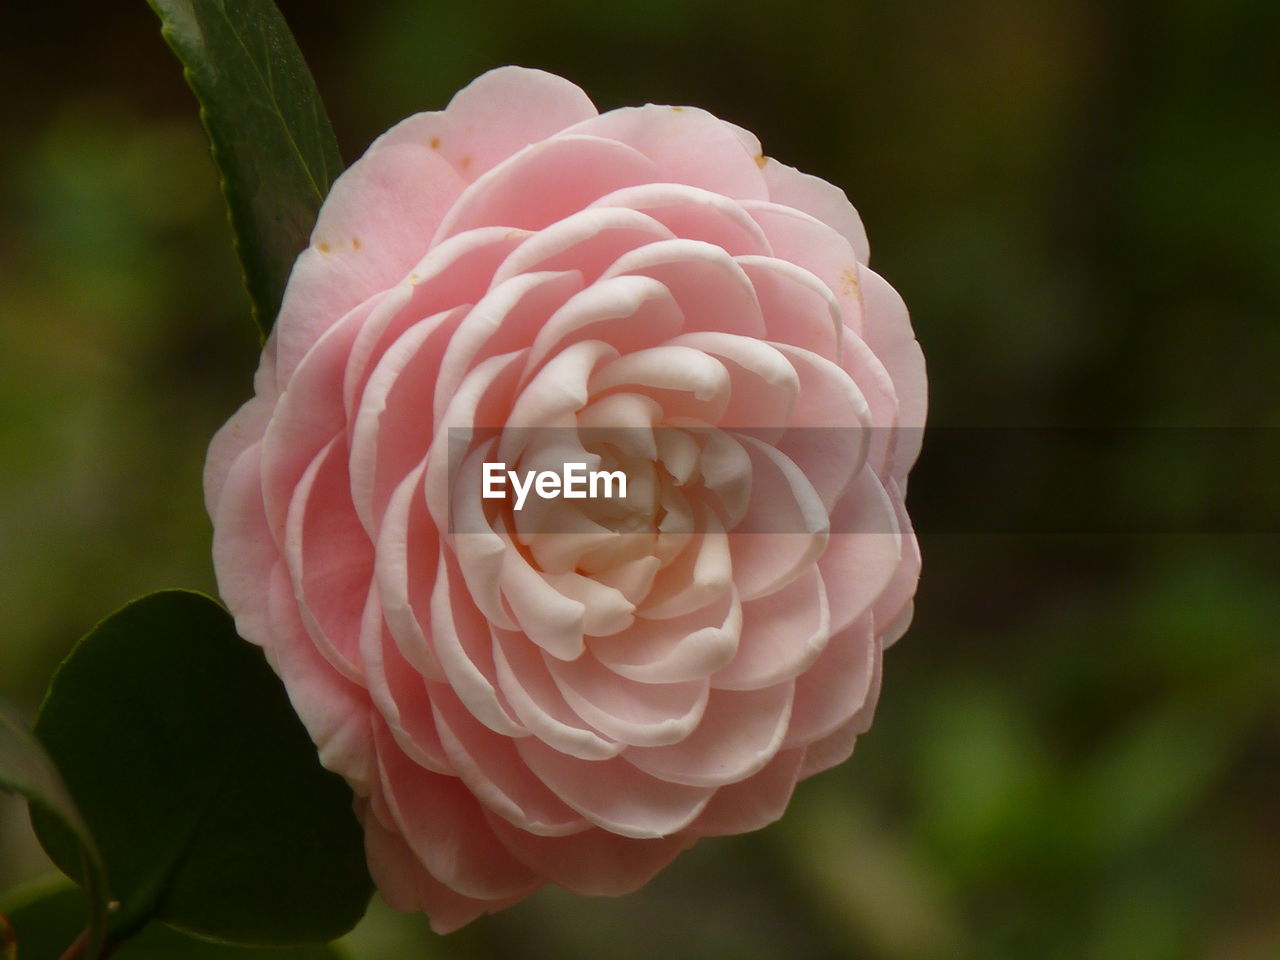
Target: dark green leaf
<point x="200" y="784"/>
<point x="26" y="769"/>
<point x="45" y="925"/>
<point x="271" y="138"/>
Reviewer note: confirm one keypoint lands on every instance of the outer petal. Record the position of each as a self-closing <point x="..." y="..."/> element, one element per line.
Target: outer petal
<point x="614" y="795"/>
<point x="887" y="330"/>
<point x="407" y="886"/>
<point x="245" y="427"/>
<point x="442" y="823"/>
<point x="374" y="226"/>
<point x="841" y="682"/>
<point x="489" y="765"/>
<point x="739" y="733"/>
<point x="753" y="803"/>
<point x="244" y="551"/>
<point x="595" y="863"/>
<point x="493" y="117"/>
<point x="335" y="711"/>
<point x="530" y="190"/>
<point x="686" y="145"/>
<point x="818" y="198"/>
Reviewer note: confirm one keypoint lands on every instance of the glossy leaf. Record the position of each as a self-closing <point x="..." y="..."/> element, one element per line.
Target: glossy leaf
<point x="46" y="923"/>
<point x="268" y="129"/>
<point x="26" y="769"/>
<point x="198" y="781"/>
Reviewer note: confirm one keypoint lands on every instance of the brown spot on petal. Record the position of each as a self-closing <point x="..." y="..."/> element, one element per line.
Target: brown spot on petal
<point x="435" y="143"/>
<point x="355" y="243"/>
<point x="678" y="109"/>
<point x="465" y="162"/>
<point x="761" y="160"/>
<point x="322" y="247"/>
<point x="849" y="281"/>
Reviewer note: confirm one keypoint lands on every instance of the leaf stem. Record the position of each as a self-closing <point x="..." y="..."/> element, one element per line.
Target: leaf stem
<point x="77" y="950"/>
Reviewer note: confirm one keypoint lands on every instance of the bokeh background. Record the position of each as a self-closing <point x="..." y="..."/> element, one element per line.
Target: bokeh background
<point x="1077" y="753"/>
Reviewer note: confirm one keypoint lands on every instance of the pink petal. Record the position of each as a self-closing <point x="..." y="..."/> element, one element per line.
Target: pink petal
<point x="490" y="766"/>
<point x="387" y="438"/>
<point x="693" y="214"/>
<point x="506" y="319"/>
<point x="532" y="692"/>
<point x="454" y="273"/>
<point x="893" y="605"/>
<point x="245" y="428"/>
<point x="608" y="611"/>
<point x="330" y="558"/>
<point x="677" y="649"/>
<point x="686" y="145"/>
<point x="702" y="574"/>
<point x="559" y="389"/>
<point x="376" y="223"/>
<point x="244" y="552"/>
<point x="613" y="794"/>
<point x="764" y="384"/>
<point x="406" y="886"/>
<point x="782" y="635"/>
<point x="726" y="471"/>
<point x="887" y="330"/>
<point x="399" y="693"/>
<point x="639" y="714"/>
<point x="442" y="823"/>
<point x="686" y="382"/>
<point x="530" y="190"/>
<point x="831" y="422"/>
<point x="798" y="308"/>
<point x="820" y="249"/>
<point x="486" y="390"/>
<point x="628" y="313"/>
<point x="708" y="285"/>
<point x="493" y="117"/>
<point x="594" y="863"/>
<point x="632" y="578"/>
<point x="586" y="241"/>
<point x="408" y="552"/>
<point x="832" y="750"/>
<point x="865" y="551"/>
<point x="739" y="733"/>
<point x="335" y="711"/>
<point x="838" y="684"/>
<point x="460" y="635"/>
<point x="785" y="527"/>
<point x="550" y="619"/>
<point x="866" y="370"/>
<point x="307" y="417"/>
<point x="752" y="803"/>
<point x="479" y="548"/>
<point x="818" y="198"/>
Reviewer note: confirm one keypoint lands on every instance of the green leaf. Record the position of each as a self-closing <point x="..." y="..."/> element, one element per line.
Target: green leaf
<point x="47" y="923"/>
<point x="26" y="769"/>
<point x="271" y="138"/>
<point x="202" y="788"/>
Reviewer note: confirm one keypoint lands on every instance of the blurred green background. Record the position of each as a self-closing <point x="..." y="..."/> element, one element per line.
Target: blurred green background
<point x="1077" y="753"/>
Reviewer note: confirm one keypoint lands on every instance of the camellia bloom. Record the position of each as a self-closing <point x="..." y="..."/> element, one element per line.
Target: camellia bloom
<point x="576" y="691"/>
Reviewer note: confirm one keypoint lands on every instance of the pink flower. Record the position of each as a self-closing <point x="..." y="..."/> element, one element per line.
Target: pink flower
<point x="577" y="691"/>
